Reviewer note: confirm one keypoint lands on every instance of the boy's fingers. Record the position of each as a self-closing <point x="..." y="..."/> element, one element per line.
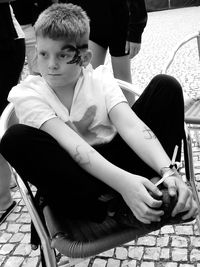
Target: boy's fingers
<point x="152" y="188"/>
<point x="184" y="202"/>
<point x="192" y="212"/>
<point x="172" y="189"/>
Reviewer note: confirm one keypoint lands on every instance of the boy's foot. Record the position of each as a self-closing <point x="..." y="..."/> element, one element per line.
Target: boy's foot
<point x="125" y="216"/>
<point x="4" y="213"/>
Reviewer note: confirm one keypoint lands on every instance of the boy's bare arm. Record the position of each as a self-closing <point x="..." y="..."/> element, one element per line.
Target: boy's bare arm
<point x="144" y="142"/>
<point x="133" y="188"/>
<point x="139" y="137"/>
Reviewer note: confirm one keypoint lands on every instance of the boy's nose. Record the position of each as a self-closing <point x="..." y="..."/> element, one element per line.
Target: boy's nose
<point x="53" y="64"/>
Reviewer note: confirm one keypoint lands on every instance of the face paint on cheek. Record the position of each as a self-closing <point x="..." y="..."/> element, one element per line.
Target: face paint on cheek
<point x="76" y="59"/>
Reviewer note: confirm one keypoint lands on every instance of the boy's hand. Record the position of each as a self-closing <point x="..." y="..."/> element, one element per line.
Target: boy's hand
<point x="135" y="193"/>
<point x="185" y="201"/>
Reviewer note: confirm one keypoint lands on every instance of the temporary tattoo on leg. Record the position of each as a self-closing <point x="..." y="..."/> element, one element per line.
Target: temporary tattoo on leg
<point x="82" y="157"/>
<point x="148" y="133"/>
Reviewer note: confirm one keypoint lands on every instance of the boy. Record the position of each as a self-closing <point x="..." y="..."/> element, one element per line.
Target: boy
<point x="79" y="139"/>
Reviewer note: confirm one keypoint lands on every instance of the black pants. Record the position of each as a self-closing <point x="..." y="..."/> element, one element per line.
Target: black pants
<point x="12" y="56"/>
<point x="38" y="157"/>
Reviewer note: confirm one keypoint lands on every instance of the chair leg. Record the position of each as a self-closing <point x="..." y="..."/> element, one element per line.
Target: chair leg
<point x="190" y="171"/>
<point x="48" y="254"/>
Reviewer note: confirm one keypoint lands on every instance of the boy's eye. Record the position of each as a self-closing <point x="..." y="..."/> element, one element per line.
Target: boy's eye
<point x="67" y="54"/>
<point x="43" y="54"/>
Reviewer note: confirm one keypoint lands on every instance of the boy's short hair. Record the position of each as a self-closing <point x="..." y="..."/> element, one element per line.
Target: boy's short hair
<point x="63" y="21"/>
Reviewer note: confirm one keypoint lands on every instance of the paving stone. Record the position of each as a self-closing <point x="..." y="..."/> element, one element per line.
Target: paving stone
<point x="4" y="237"/>
<point x="186" y="265"/>
<point x="121" y="253"/>
<point x="168" y="229"/>
<point x="3" y="226"/>
<point x="24" y="218"/>
<point x="165" y="253"/>
<point x="2" y="259"/>
<point x="7" y="248"/>
<point x="14" y="261"/>
<point x="22" y="249"/>
<point x="152" y="253"/>
<point x="99" y="263"/>
<point x="26" y="239"/>
<point x="179" y="254"/>
<point x="17" y="237"/>
<point x="162" y="241"/>
<point x="127" y="263"/>
<point x="179" y="241"/>
<point x="146" y="241"/>
<point x="30" y="262"/>
<point x="14" y="227"/>
<point x="195" y="255"/>
<point x="25" y="228"/>
<point x="184" y="230"/>
<point x="113" y="263"/>
<point x="167" y="264"/>
<point x="147" y="264"/>
<point x="136" y="252"/>
<point x="195" y="241"/>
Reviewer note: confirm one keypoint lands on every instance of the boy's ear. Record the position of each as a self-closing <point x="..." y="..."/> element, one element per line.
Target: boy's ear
<point x="86" y="58"/>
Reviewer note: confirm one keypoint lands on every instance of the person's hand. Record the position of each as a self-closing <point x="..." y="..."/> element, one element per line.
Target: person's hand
<point x="134" y="191"/>
<point x="132" y="48"/>
<point x="186" y="202"/>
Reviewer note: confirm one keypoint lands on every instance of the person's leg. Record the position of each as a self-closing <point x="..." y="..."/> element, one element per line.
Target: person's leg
<point x="38" y="158"/>
<point x="5" y="195"/>
<point x="30" y="48"/>
<point x="121" y="68"/>
<point x="98" y="54"/>
<point x="12" y="56"/>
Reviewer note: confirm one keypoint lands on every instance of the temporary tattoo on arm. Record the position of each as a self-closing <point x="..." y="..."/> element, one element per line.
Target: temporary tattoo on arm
<point x="148" y="134"/>
<point x="82" y="156"/>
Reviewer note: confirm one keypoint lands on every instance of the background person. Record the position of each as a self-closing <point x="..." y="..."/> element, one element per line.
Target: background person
<point x="12" y="56"/>
<point x="116" y="25"/>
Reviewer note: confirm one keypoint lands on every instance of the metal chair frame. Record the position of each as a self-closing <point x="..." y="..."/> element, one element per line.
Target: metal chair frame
<point x="189" y="123"/>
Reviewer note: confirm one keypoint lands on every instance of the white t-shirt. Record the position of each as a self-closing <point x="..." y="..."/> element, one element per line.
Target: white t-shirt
<point x="95" y="94"/>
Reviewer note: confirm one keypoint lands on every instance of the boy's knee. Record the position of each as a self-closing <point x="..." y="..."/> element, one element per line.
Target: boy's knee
<point x="168" y="81"/>
<point x="168" y="84"/>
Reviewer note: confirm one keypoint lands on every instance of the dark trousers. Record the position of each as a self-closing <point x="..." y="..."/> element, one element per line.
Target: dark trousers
<point x="38" y="158"/>
<point x="12" y="56"/>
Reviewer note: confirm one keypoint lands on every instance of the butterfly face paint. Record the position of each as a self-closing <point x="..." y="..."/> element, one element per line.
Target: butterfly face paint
<point x="73" y="54"/>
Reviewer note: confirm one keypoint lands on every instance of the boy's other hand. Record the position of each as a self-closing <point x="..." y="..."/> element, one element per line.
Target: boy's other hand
<point x="135" y="192"/>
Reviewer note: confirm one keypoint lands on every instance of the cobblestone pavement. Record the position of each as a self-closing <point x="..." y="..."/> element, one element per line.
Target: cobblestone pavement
<point x="171" y="246"/>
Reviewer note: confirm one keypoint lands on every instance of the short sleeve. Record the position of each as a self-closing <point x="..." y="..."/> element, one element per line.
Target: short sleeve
<point x="30" y="107"/>
<point x="112" y="91"/>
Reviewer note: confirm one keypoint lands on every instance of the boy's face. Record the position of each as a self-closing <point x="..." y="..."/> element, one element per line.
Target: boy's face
<point x="58" y="61"/>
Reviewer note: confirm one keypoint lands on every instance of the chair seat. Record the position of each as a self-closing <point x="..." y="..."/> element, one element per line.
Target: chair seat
<point x="192" y="115"/>
<point x="84" y="238"/>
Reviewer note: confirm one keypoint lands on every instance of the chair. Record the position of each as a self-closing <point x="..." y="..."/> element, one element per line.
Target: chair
<point x="74" y="239"/>
<point x="192" y="117"/>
